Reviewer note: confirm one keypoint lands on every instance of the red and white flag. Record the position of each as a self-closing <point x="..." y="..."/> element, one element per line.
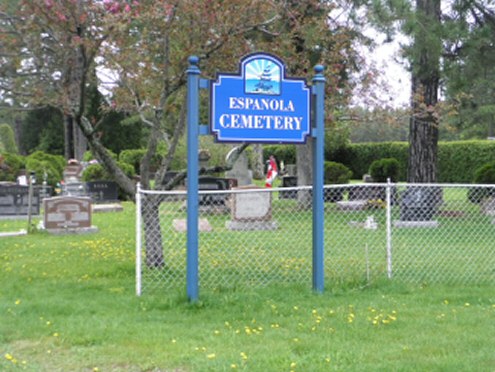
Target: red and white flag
<point x="272" y="172"/>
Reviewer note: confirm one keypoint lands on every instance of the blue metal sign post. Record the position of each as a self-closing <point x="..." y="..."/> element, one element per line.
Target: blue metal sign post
<point x="259" y="105"/>
<point x="192" y="177"/>
<point x="318" y="168"/>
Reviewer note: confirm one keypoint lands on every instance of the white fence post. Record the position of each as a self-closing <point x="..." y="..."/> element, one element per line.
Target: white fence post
<point x="389" y="229"/>
<point x="138" y="239"/>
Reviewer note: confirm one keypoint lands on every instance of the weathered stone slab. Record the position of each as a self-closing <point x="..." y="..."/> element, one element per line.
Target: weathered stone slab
<point x="103" y="208"/>
<point x="73" y="173"/>
<point x="251" y="225"/>
<point x="180" y="225"/>
<point x="416" y="224"/>
<point x="354" y="205"/>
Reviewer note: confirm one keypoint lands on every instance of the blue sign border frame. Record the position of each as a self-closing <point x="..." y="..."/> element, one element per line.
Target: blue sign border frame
<point x="240" y="74"/>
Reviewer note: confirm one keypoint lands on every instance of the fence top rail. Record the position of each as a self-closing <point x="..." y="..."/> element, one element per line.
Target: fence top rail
<point x="333" y="186"/>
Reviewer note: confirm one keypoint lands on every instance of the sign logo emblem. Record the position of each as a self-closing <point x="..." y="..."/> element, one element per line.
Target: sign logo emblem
<point x="262" y="76"/>
<point x="260" y="104"/>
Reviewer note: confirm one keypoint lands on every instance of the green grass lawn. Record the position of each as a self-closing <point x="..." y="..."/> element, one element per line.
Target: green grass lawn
<point x="67" y="303"/>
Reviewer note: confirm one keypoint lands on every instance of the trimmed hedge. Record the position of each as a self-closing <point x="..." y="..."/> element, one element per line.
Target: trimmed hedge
<point x="458" y="161"/>
<point x="287" y="153"/>
<point x="359" y="157"/>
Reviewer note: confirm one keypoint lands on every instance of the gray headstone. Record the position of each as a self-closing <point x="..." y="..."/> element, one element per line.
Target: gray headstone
<point x="251" y="211"/>
<point x="240" y="170"/>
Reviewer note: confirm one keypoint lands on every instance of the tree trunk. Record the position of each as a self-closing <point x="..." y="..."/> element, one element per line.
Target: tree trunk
<point x="258" y="166"/>
<point x="152" y="231"/>
<point x="423" y="125"/>
<point x="80" y="144"/>
<point x="102" y="154"/>
<point x="68" y="137"/>
<point x="304" y="160"/>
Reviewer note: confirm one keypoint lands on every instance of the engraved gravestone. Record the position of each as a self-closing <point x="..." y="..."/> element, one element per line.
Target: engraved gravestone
<point x="67" y="213"/>
<point x="103" y="191"/>
<point x="251" y="210"/>
<point x="14" y="200"/>
<point x="288" y="181"/>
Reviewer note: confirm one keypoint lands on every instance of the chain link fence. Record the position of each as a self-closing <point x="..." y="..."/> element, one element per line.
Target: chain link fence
<point x="253" y="237"/>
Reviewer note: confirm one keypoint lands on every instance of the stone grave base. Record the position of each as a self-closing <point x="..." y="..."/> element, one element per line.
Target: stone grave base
<point x="414" y="224"/>
<point x="103" y="208"/>
<point x="13" y="233"/>
<point x="354" y="205"/>
<point x="74" y="231"/>
<point x="180" y="225"/>
<point x="251" y="225"/>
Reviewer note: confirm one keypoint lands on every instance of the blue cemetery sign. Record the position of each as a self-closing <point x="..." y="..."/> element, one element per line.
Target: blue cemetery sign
<point x="260" y="104"/>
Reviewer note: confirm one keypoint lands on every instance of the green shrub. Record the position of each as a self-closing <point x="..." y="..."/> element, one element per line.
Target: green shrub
<point x="88" y="156"/>
<point x="7" y="139"/>
<point x="383" y="169"/>
<point x="96" y="172"/>
<point x="57" y="161"/>
<point x="484" y="175"/>
<point x="13" y="163"/>
<point x="336" y="173"/>
<point x="44" y="169"/>
<point x="133" y="157"/>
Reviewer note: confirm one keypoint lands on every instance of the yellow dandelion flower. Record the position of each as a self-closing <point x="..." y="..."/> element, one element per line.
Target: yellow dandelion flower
<point x="233" y="366"/>
<point x="467" y="304"/>
<point x="211" y="356"/>
<point x="55" y="334"/>
<point x="8" y="356"/>
<point x="293" y="365"/>
<point x="244" y="355"/>
<point x="17" y="302"/>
